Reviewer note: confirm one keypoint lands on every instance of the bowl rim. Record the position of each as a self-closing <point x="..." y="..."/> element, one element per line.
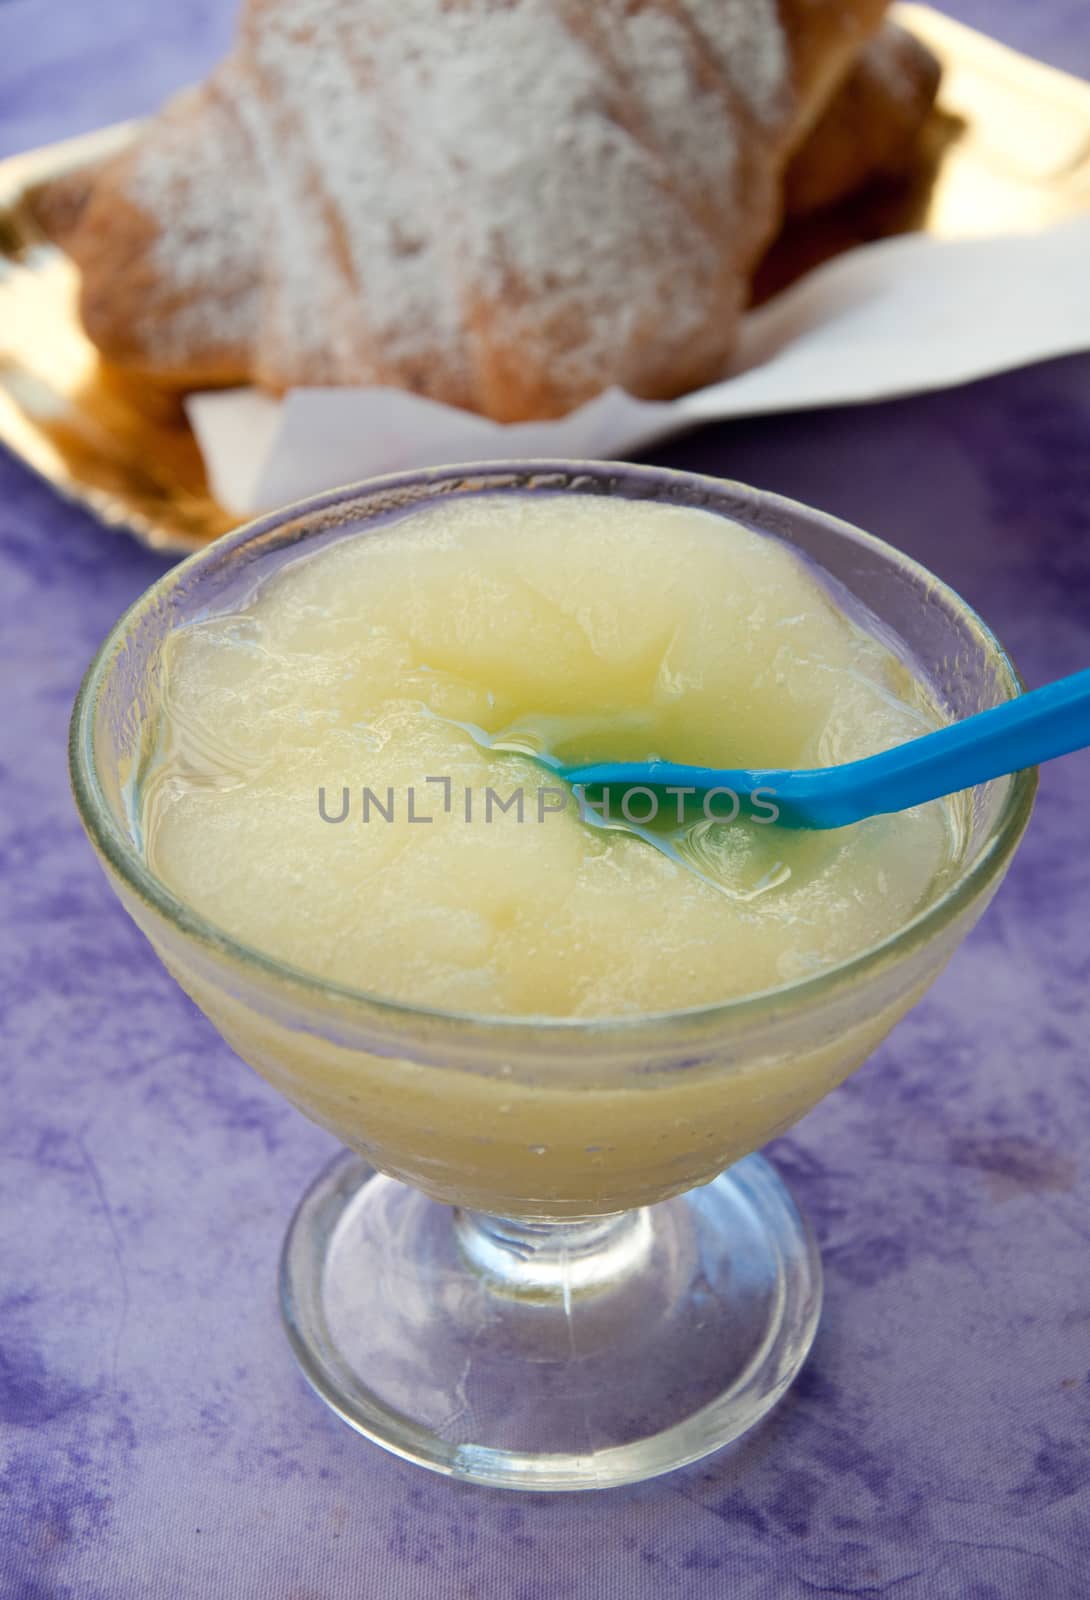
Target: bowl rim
<point x="120" y="853"/>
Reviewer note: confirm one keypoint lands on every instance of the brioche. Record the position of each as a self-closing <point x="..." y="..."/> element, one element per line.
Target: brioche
<point x="507" y="205"/>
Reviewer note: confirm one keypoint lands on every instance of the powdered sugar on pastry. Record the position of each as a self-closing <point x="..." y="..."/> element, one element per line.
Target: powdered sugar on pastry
<point x="502" y="194"/>
<point x="506" y="204"/>
<point x="208" y="245"/>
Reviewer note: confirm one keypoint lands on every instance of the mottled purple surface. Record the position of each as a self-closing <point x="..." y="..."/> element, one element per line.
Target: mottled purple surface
<point x="155" y="1438"/>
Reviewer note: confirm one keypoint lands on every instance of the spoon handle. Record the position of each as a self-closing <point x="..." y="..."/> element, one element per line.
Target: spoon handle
<point x="1036" y="727"/>
<point x="1020" y="733"/>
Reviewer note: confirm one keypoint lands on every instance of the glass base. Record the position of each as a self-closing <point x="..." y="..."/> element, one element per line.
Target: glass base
<point x="538" y="1355"/>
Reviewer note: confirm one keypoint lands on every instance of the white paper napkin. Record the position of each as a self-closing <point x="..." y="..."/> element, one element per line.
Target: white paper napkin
<point x="898" y="317"/>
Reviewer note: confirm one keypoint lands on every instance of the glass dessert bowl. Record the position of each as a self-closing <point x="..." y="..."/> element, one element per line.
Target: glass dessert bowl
<point x="550" y="1258"/>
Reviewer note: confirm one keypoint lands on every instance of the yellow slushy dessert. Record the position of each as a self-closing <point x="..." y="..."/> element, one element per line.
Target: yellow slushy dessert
<point x="335" y="776"/>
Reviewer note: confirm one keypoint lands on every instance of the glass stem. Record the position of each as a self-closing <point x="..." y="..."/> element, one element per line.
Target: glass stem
<point x="547" y="1260"/>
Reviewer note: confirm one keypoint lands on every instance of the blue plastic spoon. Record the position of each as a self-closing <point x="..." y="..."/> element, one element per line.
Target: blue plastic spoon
<point x="1035" y="727"/>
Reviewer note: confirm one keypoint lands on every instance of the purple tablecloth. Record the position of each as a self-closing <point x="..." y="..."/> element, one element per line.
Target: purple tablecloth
<point x="157" y="1441"/>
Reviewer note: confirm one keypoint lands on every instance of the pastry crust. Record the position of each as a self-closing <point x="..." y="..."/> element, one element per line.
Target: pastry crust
<point x="870" y="126"/>
<point x="507" y="205"/>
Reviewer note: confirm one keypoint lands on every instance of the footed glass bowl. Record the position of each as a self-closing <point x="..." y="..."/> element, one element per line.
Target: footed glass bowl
<point x="549" y="1258"/>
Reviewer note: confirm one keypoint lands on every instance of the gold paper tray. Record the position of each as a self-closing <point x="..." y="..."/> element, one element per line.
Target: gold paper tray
<point x="1008" y="148"/>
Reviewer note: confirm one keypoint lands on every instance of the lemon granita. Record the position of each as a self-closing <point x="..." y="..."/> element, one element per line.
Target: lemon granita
<point x="320" y="786"/>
